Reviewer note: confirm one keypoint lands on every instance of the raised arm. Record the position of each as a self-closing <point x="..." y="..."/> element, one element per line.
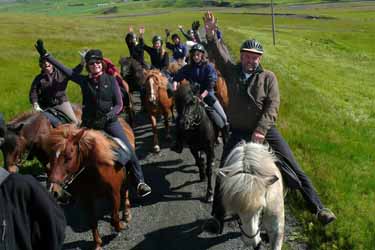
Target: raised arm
<point x="66" y="71"/>
<point x="216" y="47"/>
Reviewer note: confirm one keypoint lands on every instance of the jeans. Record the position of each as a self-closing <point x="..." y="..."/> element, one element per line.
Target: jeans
<point x="280" y="147"/>
<point x="115" y="130"/>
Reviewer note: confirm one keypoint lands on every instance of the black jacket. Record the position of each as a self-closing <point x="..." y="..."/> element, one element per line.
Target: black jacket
<point x="29" y="218"/>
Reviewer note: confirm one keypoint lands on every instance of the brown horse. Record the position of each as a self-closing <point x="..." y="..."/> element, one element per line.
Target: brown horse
<point x="84" y="160"/>
<point x="24" y="138"/>
<point x="157" y="103"/>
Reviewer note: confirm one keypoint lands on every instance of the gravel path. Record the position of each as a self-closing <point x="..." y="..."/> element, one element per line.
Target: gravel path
<point x="171" y="217"/>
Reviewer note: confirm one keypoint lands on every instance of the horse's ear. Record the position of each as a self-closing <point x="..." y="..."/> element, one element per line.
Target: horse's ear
<point x="16" y="128"/>
<point x="78" y="136"/>
<point x="271" y="180"/>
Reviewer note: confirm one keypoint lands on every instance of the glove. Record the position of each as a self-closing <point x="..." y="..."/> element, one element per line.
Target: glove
<point x="36" y="107"/>
<point x="40" y="48"/>
<point x="82" y="54"/>
<point x="167" y="32"/>
<point x="195" y="25"/>
<point x="110" y="116"/>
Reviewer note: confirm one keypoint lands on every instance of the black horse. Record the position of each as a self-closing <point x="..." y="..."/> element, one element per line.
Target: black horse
<point x="133" y="73"/>
<point x="198" y="132"/>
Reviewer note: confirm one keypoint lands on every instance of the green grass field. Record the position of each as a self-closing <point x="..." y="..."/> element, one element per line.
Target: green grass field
<point x="325" y="69"/>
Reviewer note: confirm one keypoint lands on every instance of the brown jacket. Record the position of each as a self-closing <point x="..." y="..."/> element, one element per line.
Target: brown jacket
<point x="253" y="103"/>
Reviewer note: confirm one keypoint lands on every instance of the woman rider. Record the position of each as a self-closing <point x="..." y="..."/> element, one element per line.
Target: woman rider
<point x="101" y="103"/>
<point x="48" y="90"/>
<point x="201" y="74"/>
<point x="135" y="45"/>
<point x="159" y="59"/>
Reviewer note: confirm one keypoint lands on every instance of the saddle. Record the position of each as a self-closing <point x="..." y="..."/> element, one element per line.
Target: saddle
<point x="122" y="152"/>
<point x="56" y="117"/>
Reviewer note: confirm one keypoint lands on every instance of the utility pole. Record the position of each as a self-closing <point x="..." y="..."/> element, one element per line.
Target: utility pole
<point x="273" y="24"/>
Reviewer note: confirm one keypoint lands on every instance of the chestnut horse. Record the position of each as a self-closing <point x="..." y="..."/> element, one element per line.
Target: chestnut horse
<point x="24" y="137"/>
<point x="157" y="103"/>
<point x="84" y="160"/>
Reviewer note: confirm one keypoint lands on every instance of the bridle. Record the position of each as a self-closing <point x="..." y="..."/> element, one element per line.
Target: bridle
<point x="243" y="231"/>
<point x="70" y="178"/>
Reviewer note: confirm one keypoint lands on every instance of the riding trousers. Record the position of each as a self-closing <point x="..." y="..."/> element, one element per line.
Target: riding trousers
<point x="115" y="129"/>
<point x="67" y="109"/>
<point x="218" y="115"/>
<point x="280" y="147"/>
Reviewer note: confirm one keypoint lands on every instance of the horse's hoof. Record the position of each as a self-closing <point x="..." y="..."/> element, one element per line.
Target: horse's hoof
<point x="121" y="226"/>
<point x="156" y="149"/>
<point x="127" y="218"/>
<point x="209" y="197"/>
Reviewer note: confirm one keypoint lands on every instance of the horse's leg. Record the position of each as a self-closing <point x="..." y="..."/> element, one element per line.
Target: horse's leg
<point x="274" y="220"/>
<point x="210" y="165"/>
<point x="199" y="162"/>
<point x="155" y="133"/>
<point x="127" y="216"/>
<point x="167" y="116"/>
<point x="89" y="203"/>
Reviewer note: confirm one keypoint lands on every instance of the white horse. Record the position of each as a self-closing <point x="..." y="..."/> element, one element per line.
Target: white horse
<point x="253" y="189"/>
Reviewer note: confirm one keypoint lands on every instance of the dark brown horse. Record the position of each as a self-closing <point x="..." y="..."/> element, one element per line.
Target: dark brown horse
<point x="84" y="160"/>
<point x="158" y="103"/>
<point x="221" y="91"/>
<point x="132" y="72"/>
<point x="198" y="132"/>
<point x="24" y="138"/>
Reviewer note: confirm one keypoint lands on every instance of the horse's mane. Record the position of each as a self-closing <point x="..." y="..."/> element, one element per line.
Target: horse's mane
<point x="245" y="170"/>
<point x="93" y="144"/>
<point x="159" y="80"/>
<point x="173" y="67"/>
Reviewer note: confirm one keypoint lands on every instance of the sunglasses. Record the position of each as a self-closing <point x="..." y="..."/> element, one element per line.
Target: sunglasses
<point x="95" y="62"/>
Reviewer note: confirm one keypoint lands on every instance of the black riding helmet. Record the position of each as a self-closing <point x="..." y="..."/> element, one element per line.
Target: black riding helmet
<point x="175" y="36"/>
<point x="198" y="47"/>
<point x="252" y="46"/>
<point x="157" y="38"/>
<point x="131" y="36"/>
<point x="93" y="54"/>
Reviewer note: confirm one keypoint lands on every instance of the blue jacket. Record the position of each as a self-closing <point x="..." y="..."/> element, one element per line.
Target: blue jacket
<point x="203" y="73"/>
<point x="179" y="50"/>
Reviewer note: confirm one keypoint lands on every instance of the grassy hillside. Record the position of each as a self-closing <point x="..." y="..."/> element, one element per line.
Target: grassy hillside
<point x="69" y="7"/>
<point x="325" y="69"/>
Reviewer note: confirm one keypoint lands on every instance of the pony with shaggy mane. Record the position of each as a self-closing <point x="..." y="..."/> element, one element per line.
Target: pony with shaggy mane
<point x="252" y="187"/>
<point x="157" y="102"/>
<point x="85" y="161"/>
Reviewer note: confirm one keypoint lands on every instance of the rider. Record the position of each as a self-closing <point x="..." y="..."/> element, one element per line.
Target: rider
<point x="135" y="45"/>
<point x="101" y="103"/>
<point x="48" y="90"/>
<point x="179" y="50"/>
<point x="202" y="75"/>
<point x="29" y="216"/>
<point x="158" y="55"/>
<point x="253" y="110"/>
<point x="159" y="59"/>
